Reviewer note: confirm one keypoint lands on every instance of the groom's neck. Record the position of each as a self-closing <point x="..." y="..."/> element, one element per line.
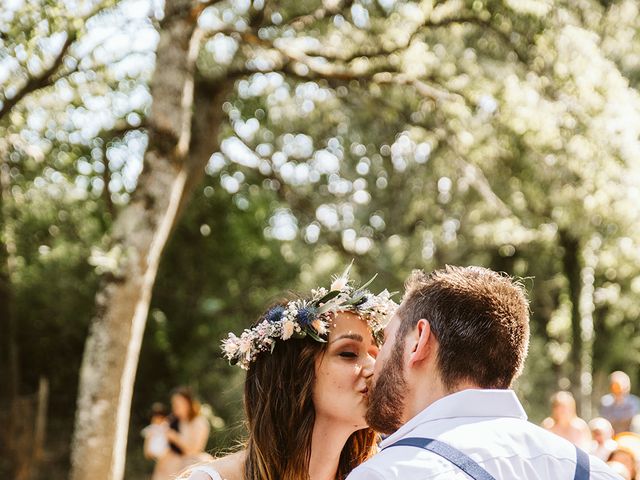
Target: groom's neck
<point x="429" y="390"/>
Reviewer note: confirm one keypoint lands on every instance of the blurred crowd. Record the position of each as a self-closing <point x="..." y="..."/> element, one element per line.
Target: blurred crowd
<point x="614" y="436"/>
<point x="176" y="439"/>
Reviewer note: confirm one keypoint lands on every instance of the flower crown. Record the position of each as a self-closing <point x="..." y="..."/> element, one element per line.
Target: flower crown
<point x="309" y="317"/>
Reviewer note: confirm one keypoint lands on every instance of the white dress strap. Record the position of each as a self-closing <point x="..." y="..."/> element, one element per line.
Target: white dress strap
<point x="208" y="470"/>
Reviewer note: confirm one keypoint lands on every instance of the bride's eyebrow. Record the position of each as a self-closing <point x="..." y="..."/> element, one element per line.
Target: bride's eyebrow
<point x="350" y="336"/>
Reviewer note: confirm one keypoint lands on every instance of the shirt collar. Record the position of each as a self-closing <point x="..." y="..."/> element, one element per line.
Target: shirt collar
<point x="466" y="403"/>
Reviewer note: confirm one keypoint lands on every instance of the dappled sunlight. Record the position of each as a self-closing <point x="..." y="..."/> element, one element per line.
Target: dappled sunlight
<point x="238" y="150"/>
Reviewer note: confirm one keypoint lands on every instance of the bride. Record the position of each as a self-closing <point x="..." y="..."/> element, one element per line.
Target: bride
<point x="308" y="362"/>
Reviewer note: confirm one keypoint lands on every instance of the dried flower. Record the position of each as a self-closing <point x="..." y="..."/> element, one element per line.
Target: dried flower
<point x="308" y="319"/>
<point x="288" y="327"/>
<point x="339" y="284"/>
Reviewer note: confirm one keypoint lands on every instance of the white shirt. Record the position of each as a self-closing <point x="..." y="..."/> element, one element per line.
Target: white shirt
<point x="491" y="427"/>
<point x="157" y="443"/>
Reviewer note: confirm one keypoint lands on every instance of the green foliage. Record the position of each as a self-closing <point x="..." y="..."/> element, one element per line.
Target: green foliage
<point x="402" y="134"/>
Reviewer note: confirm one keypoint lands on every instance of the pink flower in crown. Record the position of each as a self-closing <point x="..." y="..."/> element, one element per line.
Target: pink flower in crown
<point x="320" y="326"/>
<point x="288" y="327"/>
<point x="339" y="283"/>
<point x="244" y="345"/>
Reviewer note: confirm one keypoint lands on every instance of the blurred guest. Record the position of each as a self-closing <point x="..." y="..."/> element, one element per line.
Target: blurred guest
<point x="156" y="444"/>
<point x="625" y="458"/>
<point x="187" y="433"/>
<point x="565" y="422"/>
<point x="602" y="434"/>
<point x="627" y="453"/>
<point x="635" y="424"/>
<point x="620" y="406"/>
<point x="189" y="430"/>
<point x="620" y="469"/>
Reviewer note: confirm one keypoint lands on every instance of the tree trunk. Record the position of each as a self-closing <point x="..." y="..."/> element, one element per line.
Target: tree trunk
<point x="572" y="271"/>
<point x="40" y="427"/>
<point x="587" y="307"/>
<point x="7" y="312"/>
<point x="140" y="232"/>
<point x="7" y="268"/>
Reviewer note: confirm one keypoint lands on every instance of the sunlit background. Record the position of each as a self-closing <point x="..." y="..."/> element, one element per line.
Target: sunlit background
<point x="400" y="134"/>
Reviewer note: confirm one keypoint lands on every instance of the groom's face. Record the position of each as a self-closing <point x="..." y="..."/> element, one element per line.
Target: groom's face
<point x="388" y="389"/>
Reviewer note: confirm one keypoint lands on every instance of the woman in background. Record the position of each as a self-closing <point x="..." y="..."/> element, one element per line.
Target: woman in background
<point x="187" y="433"/>
<point x="565" y="422"/>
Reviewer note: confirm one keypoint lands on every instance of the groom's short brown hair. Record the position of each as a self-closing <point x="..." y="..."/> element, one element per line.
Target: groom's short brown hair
<point x="480" y="319"/>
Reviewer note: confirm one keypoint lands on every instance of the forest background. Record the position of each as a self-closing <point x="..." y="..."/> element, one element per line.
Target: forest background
<point x="170" y="168"/>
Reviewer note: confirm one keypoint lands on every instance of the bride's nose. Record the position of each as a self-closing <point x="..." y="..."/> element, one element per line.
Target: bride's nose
<point x="367" y="366"/>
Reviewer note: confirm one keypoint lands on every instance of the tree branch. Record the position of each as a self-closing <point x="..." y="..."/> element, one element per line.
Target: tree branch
<point x="41" y="81"/>
<point x="48" y="77"/>
<point x="300" y="22"/>
<point x="371" y="53"/>
<point x="179" y="12"/>
<point x="481" y="183"/>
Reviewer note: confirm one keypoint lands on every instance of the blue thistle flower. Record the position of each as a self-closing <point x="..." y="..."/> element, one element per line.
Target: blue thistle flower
<point x="305" y="316"/>
<point x="274" y="314"/>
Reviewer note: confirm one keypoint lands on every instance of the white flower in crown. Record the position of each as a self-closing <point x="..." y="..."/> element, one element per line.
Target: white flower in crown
<point x="339" y="284"/>
<point x="318" y="292"/>
<point x="263" y="329"/>
<point x="230" y="345"/>
<point x="291" y="311"/>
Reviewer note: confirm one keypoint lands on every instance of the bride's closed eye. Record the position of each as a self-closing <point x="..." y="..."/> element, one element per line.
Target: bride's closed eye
<point x="348" y="354"/>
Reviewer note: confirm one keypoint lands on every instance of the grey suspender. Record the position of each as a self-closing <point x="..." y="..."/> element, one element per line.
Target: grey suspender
<point x="470" y="467"/>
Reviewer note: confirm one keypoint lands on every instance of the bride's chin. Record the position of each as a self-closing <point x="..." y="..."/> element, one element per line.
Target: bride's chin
<point x="360" y="426"/>
<point x="361" y="423"/>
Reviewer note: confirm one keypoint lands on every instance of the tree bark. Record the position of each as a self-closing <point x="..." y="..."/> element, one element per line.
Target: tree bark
<point x="7" y="268"/>
<point x="587" y="307"/>
<point x="8" y="327"/>
<point x="572" y="270"/>
<point x="40" y="427"/>
<point x="172" y="163"/>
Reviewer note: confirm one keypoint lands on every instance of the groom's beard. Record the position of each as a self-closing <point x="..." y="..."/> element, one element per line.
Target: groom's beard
<point x="386" y="399"/>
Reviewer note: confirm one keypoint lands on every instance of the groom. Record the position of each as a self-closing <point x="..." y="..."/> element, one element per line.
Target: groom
<point x="441" y="388"/>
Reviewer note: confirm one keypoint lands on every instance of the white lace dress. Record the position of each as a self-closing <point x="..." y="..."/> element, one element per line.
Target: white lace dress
<point x="208" y="470"/>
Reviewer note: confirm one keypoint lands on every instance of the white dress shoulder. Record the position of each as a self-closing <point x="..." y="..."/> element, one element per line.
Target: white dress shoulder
<point x="208" y="470"/>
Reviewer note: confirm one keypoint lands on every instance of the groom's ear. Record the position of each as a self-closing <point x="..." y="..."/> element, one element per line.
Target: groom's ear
<point x="420" y="349"/>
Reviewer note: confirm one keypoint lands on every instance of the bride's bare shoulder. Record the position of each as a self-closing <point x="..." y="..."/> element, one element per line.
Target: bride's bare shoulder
<point x="229" y="467"/>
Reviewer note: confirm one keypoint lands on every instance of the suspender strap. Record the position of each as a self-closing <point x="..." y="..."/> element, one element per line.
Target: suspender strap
<point x="459" y="459"/>
<point x="582" y="465"/>
<point x="471" y="468"/>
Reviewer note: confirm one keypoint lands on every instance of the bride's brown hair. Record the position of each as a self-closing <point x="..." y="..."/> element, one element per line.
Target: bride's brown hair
<point x="278" y="402"/>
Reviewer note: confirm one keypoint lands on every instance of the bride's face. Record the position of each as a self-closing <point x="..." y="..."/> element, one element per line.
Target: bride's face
<point x="342" y="372"/>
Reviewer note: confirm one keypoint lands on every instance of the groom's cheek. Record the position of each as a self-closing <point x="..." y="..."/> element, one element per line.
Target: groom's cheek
<point x="381" y="360"/>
